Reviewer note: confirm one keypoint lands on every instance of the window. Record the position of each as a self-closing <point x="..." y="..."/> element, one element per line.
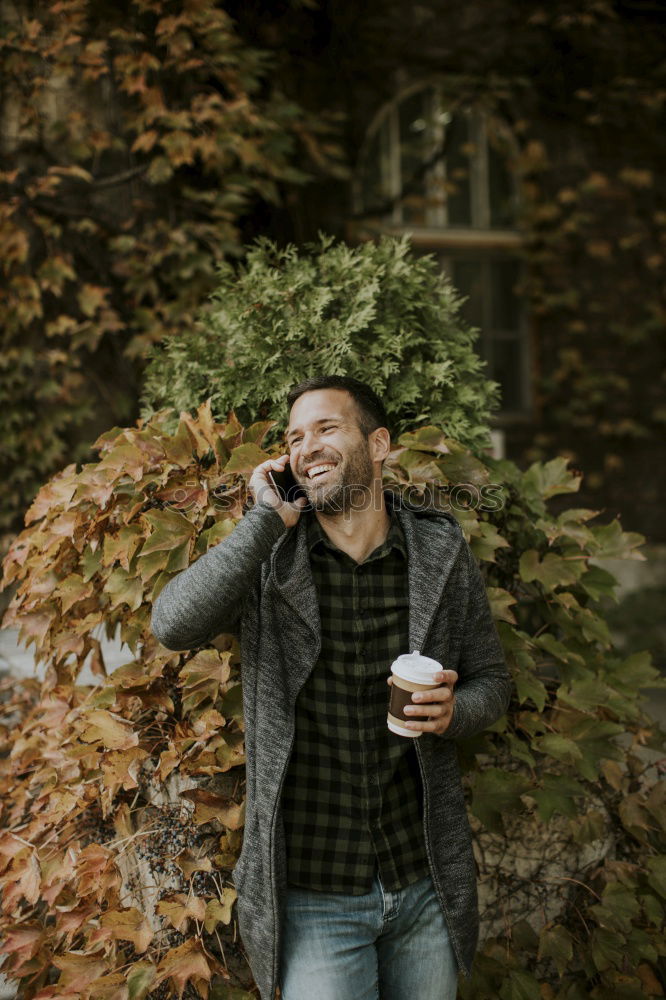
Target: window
<point x="442" y="173"/>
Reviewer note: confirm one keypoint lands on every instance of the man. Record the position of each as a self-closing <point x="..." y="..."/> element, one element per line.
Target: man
<point x="356" y="878"/>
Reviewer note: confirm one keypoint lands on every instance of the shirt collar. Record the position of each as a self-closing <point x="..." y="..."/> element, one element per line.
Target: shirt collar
<point x="317" y="537"/>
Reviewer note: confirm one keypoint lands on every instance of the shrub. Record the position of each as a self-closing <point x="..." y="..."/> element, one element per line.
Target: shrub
<point x="103" y="786"/>
<point x="374" y="312"/>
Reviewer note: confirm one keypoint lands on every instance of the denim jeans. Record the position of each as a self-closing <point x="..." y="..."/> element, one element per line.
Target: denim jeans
<point x="378" y="946"/>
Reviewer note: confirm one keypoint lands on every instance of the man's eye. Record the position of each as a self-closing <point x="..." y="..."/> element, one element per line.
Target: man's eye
<point x="331" y="428"/>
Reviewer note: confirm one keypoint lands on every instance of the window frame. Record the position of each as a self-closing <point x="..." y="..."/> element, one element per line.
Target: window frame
<point x="481" y="242"/>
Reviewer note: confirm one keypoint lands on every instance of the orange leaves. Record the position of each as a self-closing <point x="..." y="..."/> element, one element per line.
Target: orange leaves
<point x="207" y="434"/>
<point x="203" y="677"/>
<point x="33" y="626"/>
<point x="208" y="806"/>
<point x="111" y="731"/>
<point x="180" y="909"/>
<point x="97" y="874"/>
<point x="78" y="971"/>
<point x="188" y="962"/>
<point x="121" y="768"/>
<point x="218" y="911"/>
<point x="22" y="944"/>
<point x="127" y="925"/>
<point x="72" y="589"/>
<point x="180" y="448"/>
<point x="189" y="864"/>
<point x="121" y="547"/>
<point x="97" y="540"/>
<point x="145" y="141"/>
<point x="22" y="879"/>
<point x="124" y="460"/>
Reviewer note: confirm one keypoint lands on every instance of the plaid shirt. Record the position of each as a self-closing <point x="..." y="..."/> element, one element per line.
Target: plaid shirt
<point x="352" y="798"/>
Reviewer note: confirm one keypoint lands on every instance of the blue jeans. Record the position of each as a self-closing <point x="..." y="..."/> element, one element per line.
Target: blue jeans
<point x="379" y="946"/>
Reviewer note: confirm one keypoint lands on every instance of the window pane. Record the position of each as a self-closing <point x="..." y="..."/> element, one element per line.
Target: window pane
<point x="502" y="208"/>
<point x="506" y="368"/>
<point x="414" y="132"/>
<point x="371" y="180"/>
<point x="505" y="307"/>
<point x="457" y="172"/>
<point x="467" y="277"/>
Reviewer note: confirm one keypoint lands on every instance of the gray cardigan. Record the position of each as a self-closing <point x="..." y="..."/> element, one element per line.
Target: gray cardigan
<point x="258" y="582"/>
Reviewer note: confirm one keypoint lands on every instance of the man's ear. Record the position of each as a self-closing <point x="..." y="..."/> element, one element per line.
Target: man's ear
<point x="380" y="444"/>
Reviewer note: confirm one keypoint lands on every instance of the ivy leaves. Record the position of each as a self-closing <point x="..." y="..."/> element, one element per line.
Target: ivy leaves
<point x="115" y="214"/>
<point x="100" y="542"/>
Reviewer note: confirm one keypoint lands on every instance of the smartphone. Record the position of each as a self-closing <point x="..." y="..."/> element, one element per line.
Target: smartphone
<point x="285" y="485"/>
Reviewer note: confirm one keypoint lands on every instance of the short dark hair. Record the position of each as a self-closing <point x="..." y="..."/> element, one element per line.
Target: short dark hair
<point x="371" y="410"/>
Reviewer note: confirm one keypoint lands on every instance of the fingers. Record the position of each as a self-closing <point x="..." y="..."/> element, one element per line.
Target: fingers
<point x="263" y="490"/>
<point x="434" y="695"/>
<point x="446" y="677"/>
<point x="438" y="726"/>
<point x="260" y="483"/>
<point x="433" y="709"/>
<point x="440" y="715"/>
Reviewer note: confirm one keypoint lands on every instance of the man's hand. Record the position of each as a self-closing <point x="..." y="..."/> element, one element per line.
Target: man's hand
<point x="264" y="492"/>
<point x="436" y="704"/>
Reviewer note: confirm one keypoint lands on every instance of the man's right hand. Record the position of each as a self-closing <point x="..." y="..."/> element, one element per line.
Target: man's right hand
<point x="264" y="492"/>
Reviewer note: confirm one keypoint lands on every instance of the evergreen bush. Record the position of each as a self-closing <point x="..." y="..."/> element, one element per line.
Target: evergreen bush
<point x="374" y="311"/>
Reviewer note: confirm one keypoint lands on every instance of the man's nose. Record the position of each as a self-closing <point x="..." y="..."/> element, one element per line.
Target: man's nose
<point x="310" y="443"/>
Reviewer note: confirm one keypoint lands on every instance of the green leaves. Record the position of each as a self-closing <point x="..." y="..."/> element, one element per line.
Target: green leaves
<point x="550" y="479"/>
<point x="496" y="791"/>
<point x="556" y="943"/>
<point x="170" y="530"/>
<point x="657" y="874"/>
<point x="520" y="985"/>
<point x="245" y="458"/>
<point x="557" y="794"/>
<point x="552" y="571"/>
<point x="374" y="311"/>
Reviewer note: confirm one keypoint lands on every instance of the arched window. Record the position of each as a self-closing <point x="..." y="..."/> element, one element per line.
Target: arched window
<point x="443" y="174"/>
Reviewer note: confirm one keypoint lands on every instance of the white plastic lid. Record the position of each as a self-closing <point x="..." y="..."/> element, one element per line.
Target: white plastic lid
<point x="416" y="668"/>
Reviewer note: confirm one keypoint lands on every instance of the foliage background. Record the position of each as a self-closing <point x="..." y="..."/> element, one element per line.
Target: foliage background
<point x="135" y="139"/>
<point x="106" y="245"/>
<point x="85" y="843"/>
<point x="581" y="88"/>
<point x="243" y="95"/>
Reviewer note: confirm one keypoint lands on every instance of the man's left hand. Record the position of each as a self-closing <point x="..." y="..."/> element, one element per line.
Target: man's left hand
<point x="437" y="704"/>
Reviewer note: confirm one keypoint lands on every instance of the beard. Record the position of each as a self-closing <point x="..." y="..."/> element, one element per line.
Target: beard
<point x="348" y="486"/>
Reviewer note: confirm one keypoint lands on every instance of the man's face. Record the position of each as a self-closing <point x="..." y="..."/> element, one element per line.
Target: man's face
<point x="329" y="454"/>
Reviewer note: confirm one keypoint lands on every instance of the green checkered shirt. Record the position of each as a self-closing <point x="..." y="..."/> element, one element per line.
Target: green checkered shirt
<point x="352" y="798"/>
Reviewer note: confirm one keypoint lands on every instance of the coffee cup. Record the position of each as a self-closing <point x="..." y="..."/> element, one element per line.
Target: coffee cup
<point x="411" y="672"/>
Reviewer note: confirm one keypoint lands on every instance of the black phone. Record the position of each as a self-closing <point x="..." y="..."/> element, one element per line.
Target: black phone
<point x="285" y="485"/>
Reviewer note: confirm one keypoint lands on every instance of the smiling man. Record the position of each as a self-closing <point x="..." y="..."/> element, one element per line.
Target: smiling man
<point x="356" y="878"/>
